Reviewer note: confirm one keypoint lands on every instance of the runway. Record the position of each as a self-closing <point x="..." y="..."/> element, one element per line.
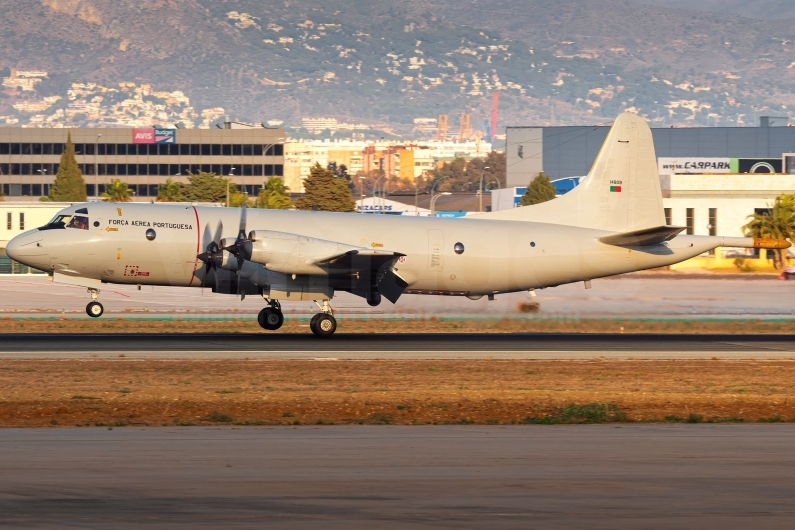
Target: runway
<point x="594" y="477"/>
<point x="394" y="346"/>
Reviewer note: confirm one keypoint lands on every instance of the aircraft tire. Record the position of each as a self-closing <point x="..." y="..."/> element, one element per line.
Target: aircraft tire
<point x="94" y="309"/>
<point x="270" y="318"/>
<point x="314" y="319"/>
<point x="323" y="325"/>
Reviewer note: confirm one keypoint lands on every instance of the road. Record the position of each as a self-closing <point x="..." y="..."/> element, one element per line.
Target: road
<point x="586" y="477"/>
<point x="394" y="346"/>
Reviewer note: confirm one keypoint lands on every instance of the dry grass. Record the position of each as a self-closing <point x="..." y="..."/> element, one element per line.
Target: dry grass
<point x="375" y="325"/>
<point x="123" y="392"/>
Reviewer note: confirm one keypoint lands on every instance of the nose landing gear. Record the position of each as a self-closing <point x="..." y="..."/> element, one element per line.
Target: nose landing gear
<point x="271" y="317"/>
<point x="94" y="309"/>
<point x="323" y="324"/>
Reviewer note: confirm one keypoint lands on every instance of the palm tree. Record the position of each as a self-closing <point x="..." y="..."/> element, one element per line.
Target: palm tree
<point x="117" y="191"/>
<point x="778" y="222"/>
<point x="170" y="192"/>
<point x="274" y="196"/>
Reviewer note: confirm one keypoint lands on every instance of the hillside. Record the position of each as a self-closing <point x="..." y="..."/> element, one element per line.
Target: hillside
<point x="554" y="61"/>
<point x="761" y="9"/>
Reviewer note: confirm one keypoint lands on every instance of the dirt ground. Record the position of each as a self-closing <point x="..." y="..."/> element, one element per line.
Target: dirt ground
<point x="9" y="325"/>
<point x="117" y="393"/>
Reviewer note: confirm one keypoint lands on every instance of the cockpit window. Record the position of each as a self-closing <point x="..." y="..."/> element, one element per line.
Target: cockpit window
<point x="59" y="221"/>
<point x="78" y="221"/>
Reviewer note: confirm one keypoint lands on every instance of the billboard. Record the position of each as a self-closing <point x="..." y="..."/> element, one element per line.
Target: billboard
<point x="154" y="136"/>
<point x="143" y="136"/>
<point x="165" y="136"/>
<point x="684" y="165"/>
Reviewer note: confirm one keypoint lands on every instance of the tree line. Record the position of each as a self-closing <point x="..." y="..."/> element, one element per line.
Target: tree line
<point x="325" y="189"/>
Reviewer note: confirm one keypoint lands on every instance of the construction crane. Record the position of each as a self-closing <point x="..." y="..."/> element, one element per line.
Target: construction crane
<point x="441" y="128"/>
<point x="465" y="128"/>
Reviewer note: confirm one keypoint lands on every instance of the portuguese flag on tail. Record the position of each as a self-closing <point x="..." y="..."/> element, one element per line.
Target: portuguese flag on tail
<point x="615" y="189"/>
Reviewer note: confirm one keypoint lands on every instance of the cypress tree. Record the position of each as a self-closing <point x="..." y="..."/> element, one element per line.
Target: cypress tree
<point x="69" y="185"/>
<point x="326" y="192"/>
<point x="540" y="190"/>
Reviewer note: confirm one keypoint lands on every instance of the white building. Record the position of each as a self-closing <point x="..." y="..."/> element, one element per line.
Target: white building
<point x="719" y="204"/>
<point x="17" y="217"/>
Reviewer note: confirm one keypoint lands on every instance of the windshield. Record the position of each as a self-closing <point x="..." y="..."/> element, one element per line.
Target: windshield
<point x="59" y="221"/>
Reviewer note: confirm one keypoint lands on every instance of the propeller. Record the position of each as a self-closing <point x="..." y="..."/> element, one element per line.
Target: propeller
<point x="212" y="256"/>
<point x="241" y="247"/>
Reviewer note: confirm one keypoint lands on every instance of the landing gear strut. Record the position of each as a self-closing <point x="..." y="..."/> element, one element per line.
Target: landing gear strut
<point x="94" y="309"/>
<point x="323" y="324"/>
<point x="271" y="317"/>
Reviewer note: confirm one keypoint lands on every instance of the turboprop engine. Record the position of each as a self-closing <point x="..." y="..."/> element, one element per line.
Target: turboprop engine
<point x="291" y="253"/>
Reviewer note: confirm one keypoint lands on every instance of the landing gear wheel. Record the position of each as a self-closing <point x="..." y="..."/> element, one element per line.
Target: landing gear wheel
<point x="323" y="325"/>
<point x="314" y="319"/>
<point x="94" y="309"/>
<point x="270" y="318"/>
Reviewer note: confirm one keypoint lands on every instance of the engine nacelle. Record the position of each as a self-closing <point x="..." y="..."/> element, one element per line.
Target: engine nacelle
<point x="228" y="261"/>
<point x="292" y="253"/>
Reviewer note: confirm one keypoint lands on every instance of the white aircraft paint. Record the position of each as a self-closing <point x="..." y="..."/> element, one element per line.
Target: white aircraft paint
<point x="612" y="223"/>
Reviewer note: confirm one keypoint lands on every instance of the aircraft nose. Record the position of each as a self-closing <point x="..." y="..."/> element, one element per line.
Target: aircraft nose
<point x="27" y="248"/>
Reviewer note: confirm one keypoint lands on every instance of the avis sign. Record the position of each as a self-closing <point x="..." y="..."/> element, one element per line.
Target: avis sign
<point x="154" y="136"/>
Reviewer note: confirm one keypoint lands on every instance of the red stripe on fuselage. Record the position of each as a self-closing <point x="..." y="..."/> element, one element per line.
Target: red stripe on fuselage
<point x="198" y="245"/>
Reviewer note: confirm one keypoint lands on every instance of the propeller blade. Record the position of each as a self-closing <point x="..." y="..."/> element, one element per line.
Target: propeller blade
<point x="206" y="236"/>
<point x="241" y="234"/>
<point x="219" y="231"/>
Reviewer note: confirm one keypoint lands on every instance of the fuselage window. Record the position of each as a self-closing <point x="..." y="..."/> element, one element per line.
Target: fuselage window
<point x="78" y="221"/>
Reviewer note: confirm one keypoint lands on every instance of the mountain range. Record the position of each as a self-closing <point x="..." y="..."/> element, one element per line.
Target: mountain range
<point x="385" y="63"/>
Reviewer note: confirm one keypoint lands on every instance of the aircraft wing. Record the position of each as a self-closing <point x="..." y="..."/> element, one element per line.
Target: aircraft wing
<point x="372" y="264"/>
<point x="358" y="260"/>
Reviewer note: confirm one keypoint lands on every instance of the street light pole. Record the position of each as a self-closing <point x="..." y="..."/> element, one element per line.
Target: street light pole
<point x="375" y="191"/>
<point x="43" y="173"/>
<point x="433" y="201"/>
<point x="361" y="194"/>
<point x="480" y="192"/>
<point x="231" y="174"/>
<point x="96" y="166"/>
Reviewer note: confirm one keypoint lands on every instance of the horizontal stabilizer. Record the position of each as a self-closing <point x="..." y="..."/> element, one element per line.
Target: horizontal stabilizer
<point x="643" y="238"/>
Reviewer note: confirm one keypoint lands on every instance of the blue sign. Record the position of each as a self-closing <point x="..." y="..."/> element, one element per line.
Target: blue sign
<point x="165" y="136"/>
<point x="451" y="214"/>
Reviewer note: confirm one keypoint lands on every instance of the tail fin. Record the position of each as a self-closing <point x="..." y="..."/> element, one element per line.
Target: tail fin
<point x="621" y="192"/>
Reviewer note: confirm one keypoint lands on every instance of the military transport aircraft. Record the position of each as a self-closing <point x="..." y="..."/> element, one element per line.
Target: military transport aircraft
<point x="611" y="223"/>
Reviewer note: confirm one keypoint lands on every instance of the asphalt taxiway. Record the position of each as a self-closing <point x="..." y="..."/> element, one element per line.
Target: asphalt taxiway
<point x="586" y="476"/>
<point x="393" y="346"/>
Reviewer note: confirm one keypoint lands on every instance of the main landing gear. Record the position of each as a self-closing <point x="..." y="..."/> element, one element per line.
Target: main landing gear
<point x="94" y="309"/>
<point x="271" y="317"/>
<point x="323" y="324"/>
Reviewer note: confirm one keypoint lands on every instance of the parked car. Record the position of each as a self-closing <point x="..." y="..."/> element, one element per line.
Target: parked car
<point x="788" y="273"/>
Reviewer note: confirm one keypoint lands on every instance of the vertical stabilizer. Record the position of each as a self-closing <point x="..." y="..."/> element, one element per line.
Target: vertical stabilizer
<point x="621" y="192"/>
